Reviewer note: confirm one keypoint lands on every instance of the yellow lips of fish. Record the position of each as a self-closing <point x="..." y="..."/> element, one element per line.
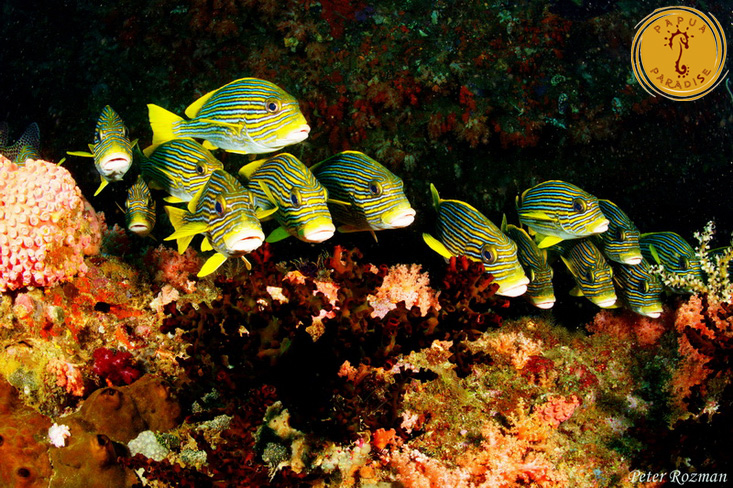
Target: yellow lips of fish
<point x="317" y="231"/>
<point x="399" y="217"/>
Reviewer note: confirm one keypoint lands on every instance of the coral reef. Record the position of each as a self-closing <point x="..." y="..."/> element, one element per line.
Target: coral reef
<point x="47" y="226"/>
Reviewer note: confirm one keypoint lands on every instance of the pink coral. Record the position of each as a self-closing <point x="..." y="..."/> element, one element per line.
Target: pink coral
<point x="406" y="284"/>
<point x="67" y="375"/>
<point x="46" y="225"/>
<point x="556" y="410"/>
<point x="177" y="270"/>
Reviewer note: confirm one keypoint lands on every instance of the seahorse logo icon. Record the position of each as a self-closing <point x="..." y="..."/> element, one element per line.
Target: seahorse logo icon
<point x="679" y="53"/>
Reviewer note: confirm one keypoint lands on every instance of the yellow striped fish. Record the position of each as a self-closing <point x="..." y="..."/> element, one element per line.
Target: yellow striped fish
<point x="223" y="211"/>
<point x="620" y="243"/>
<point x="112" y="149"/>
<point x="363" y="195"/>
<point x="464" y="231"/>
<point x="28" y="145"/>
<point x="674" y="253"/>
<point x="180" y="167"/>
<point x="640" y="290"/>
<point x="556" y="210"/>
<point x="285" y="184"/>
<point x="247" y="116"/>
<point x="592" y="274"/>
<point x="139" y="209"/>
<point x="540" y="291"/>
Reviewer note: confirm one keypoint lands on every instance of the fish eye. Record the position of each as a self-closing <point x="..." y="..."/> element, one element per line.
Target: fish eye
<point x="273" y="105"/>
<point x="220" y="205"/>
<point x="531" y="275"/>
<point x="98" y="136"/>
<point x="488" y="254"/>
<point x="579" y="205"/>
<point x="684" y="263"/>
<point x="295" y="197"/>
<point x="200" y="169"/>
<point x="375" y="188"/>
<point x="645" y="287"/>
<point x="623" y="235"/>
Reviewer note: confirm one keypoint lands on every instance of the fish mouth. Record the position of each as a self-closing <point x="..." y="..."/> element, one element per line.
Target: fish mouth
<point x="318" y="233"/>
<point x="601" y="227"/>
<point x="244" y="243"/>
<point x="544" y="304"/>
<point x="514" y="289"/>
<point x="632" y="260"/>
<point x="115" y="165"/>
<point x="140" y="229"/>
<point x="606" y="302"/>
<point x="399" y="218"/>
<point x="296" y="135"/>
<point x="653" y="312"/>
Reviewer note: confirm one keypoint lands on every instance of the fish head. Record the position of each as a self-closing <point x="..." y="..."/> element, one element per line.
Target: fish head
<point x="272" y="118"/>
<point x="317" y="230"/>
<point x="227" y="208"/>
<point x="384" y="202"/>
<point x="234" y="229"/>
<point x="581" y="215"/>
<point x="139" y="209"/>
<point x="112" y="147"/>
<point x="499" y="256"/>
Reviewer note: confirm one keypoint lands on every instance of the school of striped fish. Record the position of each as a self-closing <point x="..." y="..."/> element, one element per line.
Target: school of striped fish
<point x="608" y="258"/>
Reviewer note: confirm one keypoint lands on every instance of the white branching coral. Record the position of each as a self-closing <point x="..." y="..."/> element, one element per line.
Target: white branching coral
<point x="716" y="267"/>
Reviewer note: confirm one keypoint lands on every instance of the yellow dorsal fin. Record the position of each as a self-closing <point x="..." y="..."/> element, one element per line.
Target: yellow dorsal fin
<point x="193" y="109"/>
<point x="208" y="145"/>
<point x="437" y="246"/>
<point x="247" y="170"/>
<point x="211" y="265"/>
<point x="436" y="196"/>
<point x="504" y="223"/>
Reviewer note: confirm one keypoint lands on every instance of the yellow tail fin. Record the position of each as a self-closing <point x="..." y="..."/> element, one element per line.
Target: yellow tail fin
<point x="162" y="122"/>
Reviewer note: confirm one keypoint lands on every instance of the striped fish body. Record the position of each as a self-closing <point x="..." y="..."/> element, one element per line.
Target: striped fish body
<point x="112" y="148"/>
<point x="285" y="183"/>
<point x="591" y="272"/>
<point x="620" y="243"/>
<point x="247" y="116"/>
<point x="461" y="230"/>
<point x="556" y="210"/>
<point x="367" y="196"/>
<point x="673" y="252"/>
<point x="540" y="291"/>
<point x="28" y="145"/>
<point x="180" y="167"/>
<point x="139" y="209"/>
<point x="228" y="210"/>
<point x="639" y="289"/>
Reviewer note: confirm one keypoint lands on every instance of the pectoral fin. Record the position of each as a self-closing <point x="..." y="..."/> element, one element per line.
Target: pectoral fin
<point x="544" y="241"/>
<point x="83" y="154"/>
<point x="103" y="184"/>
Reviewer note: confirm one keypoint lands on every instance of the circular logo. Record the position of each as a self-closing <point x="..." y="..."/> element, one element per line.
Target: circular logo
<point x="679" y="53"/>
